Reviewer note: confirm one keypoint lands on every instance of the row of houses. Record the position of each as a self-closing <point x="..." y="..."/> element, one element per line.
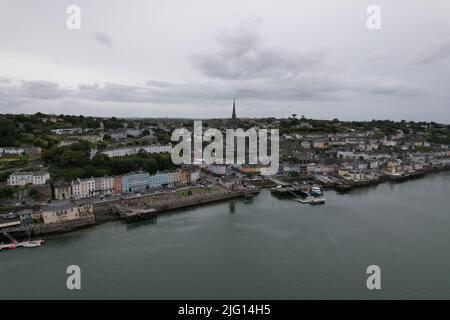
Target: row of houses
<point x="92" y="138"/>
<point x="65" y="212"/>
<point x="15" y="151"/>
<point x="24" y="178"/>
<point x="129" y="151"/>
<point x="64" y="131"/>
<point x="60" y="212"/>
<point x="132" y="182"/>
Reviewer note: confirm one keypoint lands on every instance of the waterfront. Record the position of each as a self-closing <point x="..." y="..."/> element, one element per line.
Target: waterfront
<point x="265" y="248"/>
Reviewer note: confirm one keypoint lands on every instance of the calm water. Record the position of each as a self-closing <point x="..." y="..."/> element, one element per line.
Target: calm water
<point x="266" y="249"/>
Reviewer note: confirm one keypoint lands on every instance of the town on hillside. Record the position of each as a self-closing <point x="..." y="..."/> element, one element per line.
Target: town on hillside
<point x="62" y="172"/>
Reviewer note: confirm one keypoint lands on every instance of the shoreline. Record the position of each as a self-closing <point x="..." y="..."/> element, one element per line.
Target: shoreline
<point x="103" y="210"/>
<point x="349" y="185"/>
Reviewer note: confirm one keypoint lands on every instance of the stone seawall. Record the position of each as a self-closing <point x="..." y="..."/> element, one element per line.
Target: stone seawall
<point x="63" y="226"/>
<point x="210" y="199"/>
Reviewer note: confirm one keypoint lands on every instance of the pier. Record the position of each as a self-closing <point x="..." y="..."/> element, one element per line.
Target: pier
<point x="131" y="214"/>
<point x="141" y="208"/>
<point x="280" y="182"/>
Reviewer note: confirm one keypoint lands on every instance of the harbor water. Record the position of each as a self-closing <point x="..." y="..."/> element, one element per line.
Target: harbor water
<point x="262" y="248"/>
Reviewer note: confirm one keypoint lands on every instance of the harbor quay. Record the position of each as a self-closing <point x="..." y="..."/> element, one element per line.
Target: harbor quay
<point x="143" y="207"/>
<point x="130" y="209"/>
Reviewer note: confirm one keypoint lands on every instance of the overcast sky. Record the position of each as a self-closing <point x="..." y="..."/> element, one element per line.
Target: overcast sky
<point x="181" y="58"/>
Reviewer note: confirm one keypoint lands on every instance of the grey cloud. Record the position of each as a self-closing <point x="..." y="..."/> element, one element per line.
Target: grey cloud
<point x="439" y="51"/>
<point x="43" y="90"/>
<point x="103" y="39"/>
<point x="241" y="54"/>
<point x="303" y="87"/>
<point x="384" y="86"/>
<point x="159" y="84"/>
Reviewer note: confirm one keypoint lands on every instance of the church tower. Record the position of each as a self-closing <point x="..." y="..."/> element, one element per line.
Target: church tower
<point x="233" y="115"/>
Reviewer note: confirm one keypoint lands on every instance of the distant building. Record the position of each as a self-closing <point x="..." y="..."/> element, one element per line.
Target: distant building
<point x="194" y="176"/>
<point x="11" y="151"/>
<point x="118" y="184"/>
<point x="184" y="178"/>
<point x="107" y="186"/>
<point x="319" y="144"/>
<point x="128" y="151"/>
<point x="155" y="181"/>
<point x="7" y="222"/>
<point x="65" y="212"/>
<point x="33" y="151"/>
<point x="290" y="167"/>
<point x="62" y="190"/>
<point x="305" y="144"/>
<point x="82" y="188"/>
<point x="24" y="178"/>
<point x="135" y="182"/>
<point x="174" y="178"/>
<point x="133" y="132"/>
<point x="67" y="131"/>
<point x="118" y="136"/>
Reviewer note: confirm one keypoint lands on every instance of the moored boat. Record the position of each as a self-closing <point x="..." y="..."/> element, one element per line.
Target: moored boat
<point x="311" y="200"/>
<point x="24" y="244"/>
<point x="32" y="243"/>
<point x="316" y="191"/>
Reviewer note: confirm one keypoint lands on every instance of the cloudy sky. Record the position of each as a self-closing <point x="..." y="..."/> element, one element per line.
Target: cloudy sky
<point x="178" y="58"/>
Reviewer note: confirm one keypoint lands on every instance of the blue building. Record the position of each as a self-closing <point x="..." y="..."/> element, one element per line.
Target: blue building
<point x="159" y="179"/>
<point x="164" y="178"/>
<point x="136" y="182"/>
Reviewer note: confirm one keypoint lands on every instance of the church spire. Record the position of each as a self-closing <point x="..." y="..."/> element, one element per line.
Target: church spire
<point x="233" y="116"/>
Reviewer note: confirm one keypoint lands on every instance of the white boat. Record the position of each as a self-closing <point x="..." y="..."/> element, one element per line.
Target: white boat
<point x="317" y="201"/>
<point x="316" y="191"/>
<point x="24" y="244"/>
<point x="32" y="244"/>
<point x="311" y="200"/>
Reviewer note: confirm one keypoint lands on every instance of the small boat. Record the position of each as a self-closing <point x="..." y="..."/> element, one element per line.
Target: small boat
<point x="316" y="191"/>
<point x="23" y="244"/>
<point x="32" y="243"/>
<point x="311" y="200"/>
<point x="317" y="201"/>
<point x="304" y="200"/>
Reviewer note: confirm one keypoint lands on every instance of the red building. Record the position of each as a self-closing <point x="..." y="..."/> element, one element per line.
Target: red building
<point x="117" y="184"/>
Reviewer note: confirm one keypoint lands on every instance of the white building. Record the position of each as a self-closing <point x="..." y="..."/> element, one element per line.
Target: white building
<point x="342" y="154"/>
<point x="107" y="185"/>
<point x="82" y="188"/>
<point x="174" y="178"/>
<point x="11" y="151"/>
<point x="305" y="144"/>
<point x="128" y="151"/>
<point x="195" y="175"/>
<point x="24" y="178"/>
<point x="66" y="131"/>
<point x="66" y="211"/>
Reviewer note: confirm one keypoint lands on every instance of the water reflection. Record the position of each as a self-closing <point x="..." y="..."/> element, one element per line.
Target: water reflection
<point x="232" y="207"/>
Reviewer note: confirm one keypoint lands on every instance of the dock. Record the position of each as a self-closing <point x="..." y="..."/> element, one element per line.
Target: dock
<point x="311" y="200"/>
<point x="280" y="182"/>
<point x="137" y="211"/>
<point x="131" y="214"/>
<point x="291" y="190"/>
